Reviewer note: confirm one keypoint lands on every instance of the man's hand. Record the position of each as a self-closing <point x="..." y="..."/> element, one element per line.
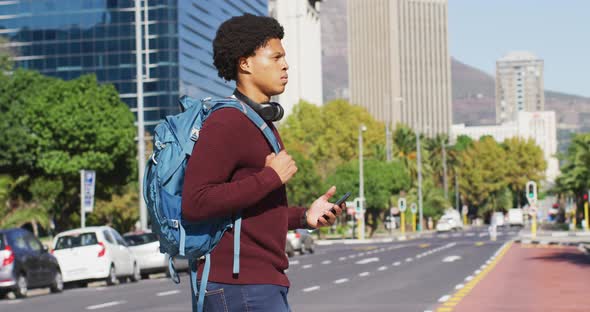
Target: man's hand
<point x="319" y="213"/>
<point x="283" y="164"/>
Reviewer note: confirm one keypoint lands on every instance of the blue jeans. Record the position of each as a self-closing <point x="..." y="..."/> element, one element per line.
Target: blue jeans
<point x="245" y="298"/>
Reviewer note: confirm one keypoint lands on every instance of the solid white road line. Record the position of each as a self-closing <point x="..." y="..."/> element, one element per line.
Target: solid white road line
<point x="104" y="305"/>
<point x="313" y="288"/>
<point x="167" y="293"/>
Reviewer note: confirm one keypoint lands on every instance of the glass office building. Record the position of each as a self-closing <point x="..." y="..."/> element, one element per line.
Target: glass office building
<point x="69" y="38"/>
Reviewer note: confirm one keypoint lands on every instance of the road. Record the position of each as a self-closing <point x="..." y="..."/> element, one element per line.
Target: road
<point x="413" y="275"/>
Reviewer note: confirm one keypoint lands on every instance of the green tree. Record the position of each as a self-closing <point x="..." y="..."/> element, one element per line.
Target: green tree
<point x="52" y="129"/>
<point x="330" y="138"/>
<point x="382" y="180"/>
<point x="575" y="173"/>
<point x="6" y="53"/>
<point x="482" y="173"/>
<point x="524" y="162"/>
<point x="306" y="186"/>
<point x="120" y="211"/>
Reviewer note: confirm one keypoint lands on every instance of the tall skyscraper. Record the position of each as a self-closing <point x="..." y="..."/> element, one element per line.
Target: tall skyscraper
<point x="302" y="42"/>
<point x="399" y="63"/>
<point x="68" y="38"/>
<point x="519" y="85"/>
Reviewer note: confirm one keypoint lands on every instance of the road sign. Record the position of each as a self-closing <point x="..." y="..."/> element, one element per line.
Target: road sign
<point x="465" y="210"/>
<point x="413" y="208"/>
<point x="531" y="192"/>
<point x="401" y="203"/>
<point x="88" y="178"/>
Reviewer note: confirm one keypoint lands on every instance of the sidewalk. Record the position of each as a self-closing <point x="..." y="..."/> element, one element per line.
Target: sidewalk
<point x="531" y="278"/>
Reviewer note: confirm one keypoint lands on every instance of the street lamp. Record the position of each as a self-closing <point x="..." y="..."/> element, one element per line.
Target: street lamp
<point x="140" y="122"/>
<point x="362" y="128"/>
<point x="419" y="161"/>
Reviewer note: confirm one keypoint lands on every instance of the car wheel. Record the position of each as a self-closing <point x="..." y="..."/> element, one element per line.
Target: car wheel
<point x="136" y="274"/>
<point x="3" y="294"/>
<point x="145" y="276"/>
<point x="58" y="283"/>
<point x="112" y="278"/>
<point x="21" y="289"/>
<point x="311" y="248"/>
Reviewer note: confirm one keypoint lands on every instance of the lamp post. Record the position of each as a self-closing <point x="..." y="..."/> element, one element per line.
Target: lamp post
<point x="140" y="123"/>
<point x="419" y="161"/>
<point x="362" y="128"/>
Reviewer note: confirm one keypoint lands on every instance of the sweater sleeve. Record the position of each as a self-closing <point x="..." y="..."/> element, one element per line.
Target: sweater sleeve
<point x="295" y="217"/>
<point x="207" y="191"/>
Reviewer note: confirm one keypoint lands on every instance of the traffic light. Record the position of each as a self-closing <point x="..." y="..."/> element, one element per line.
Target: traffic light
<point x="531" y="192"/>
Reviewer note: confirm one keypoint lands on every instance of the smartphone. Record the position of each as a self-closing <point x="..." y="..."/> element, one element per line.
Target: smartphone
<point x="338" y="203"/>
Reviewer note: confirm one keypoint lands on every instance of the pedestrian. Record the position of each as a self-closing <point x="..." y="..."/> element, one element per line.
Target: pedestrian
<point x="233" y="170"/>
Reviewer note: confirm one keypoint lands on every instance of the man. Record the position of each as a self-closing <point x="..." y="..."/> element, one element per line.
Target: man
<point x="233" y="170"/>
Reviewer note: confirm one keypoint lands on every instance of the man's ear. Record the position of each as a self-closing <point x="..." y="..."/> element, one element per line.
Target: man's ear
<point x="244" y="64"/>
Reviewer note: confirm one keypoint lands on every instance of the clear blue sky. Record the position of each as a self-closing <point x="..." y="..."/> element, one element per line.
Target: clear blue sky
<point x="557" y="31"/>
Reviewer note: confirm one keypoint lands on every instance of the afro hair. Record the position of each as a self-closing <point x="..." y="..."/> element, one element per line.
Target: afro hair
<point x="241" y="36"/>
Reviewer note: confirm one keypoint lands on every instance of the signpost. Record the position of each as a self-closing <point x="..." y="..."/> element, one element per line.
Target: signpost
<point x="401" y="203"/>
<point x="464" y="212"/>
<point x="360" y="215"/>
<point x="586" y="224"/>
<point x="414" y="210"/>
<point x="531" y="196"/>
<point x="87" y="185"/>
<point x="350" y="210"/>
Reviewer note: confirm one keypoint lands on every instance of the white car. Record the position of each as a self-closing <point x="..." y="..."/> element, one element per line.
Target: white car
<point x="95" y="253"/>
<point x="146" y="247"/>
<point x="450" y="221"/>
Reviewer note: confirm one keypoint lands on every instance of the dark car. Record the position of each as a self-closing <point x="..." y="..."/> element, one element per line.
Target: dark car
<point x="25" y="263"/>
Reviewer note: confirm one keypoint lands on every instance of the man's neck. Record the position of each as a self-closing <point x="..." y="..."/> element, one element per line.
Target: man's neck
<point x="253" y="93"/>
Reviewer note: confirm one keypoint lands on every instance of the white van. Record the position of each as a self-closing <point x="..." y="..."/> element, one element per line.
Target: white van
<point x="515" y="217"/>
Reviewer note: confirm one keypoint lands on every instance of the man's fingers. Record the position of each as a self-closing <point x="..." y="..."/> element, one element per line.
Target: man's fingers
<point x="329" y="193"/>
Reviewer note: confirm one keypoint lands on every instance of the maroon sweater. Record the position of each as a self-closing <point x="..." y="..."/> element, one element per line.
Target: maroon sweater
<point x="226" y="175"/>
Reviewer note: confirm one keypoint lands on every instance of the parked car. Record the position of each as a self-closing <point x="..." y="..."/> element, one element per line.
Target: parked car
<point x="25" y="263"/>
<point x="146" y="247"/>
<point x="95" y="253"/>
<point x="450" y="221"/>
<point x="515" y="217"/>
<point x="301" y="240"/>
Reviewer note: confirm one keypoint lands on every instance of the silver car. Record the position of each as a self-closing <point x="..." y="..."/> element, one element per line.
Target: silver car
<point x="146" y="246"/>
<point x="301" y="240"/>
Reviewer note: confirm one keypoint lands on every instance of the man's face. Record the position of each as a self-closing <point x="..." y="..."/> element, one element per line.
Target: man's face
<point x="268" y="68"/>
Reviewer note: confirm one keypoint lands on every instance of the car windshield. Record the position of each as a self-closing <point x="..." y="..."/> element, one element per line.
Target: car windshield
<point x="1" y="241"/>
<point x="140" y="239"/>
<point x="76" y="240"/>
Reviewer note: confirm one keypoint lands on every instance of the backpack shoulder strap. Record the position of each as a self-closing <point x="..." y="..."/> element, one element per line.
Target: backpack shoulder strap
<point x="215" y="104"/>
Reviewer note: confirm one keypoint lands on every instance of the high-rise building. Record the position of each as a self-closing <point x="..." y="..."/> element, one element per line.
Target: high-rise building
<point x="302" y="42"/>
<point x="399" y="63"/>
<point x="69" y="38"/>
<point x="519" y="85"/>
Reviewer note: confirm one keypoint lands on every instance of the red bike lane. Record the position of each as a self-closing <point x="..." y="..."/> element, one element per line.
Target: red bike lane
<point x="528" y="278"/>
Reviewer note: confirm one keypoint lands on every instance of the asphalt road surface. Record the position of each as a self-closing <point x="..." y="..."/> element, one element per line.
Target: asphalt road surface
<point x="412" y="275"/>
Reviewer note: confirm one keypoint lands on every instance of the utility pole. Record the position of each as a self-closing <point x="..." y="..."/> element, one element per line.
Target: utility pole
<point x="140" y="123"/>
